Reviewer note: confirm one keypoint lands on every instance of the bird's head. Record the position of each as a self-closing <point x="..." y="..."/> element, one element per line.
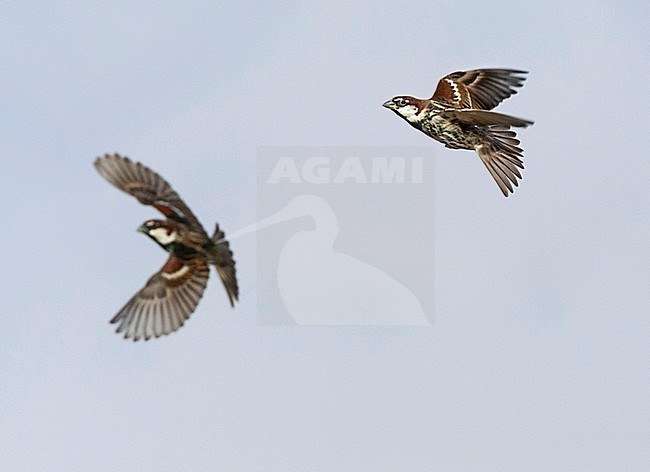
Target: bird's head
<point x="161" y="231"/>
<point x="407" y="107"/>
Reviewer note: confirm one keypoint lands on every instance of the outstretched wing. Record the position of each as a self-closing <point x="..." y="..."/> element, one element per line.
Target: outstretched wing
<point x="484" y="118"/>
<point x="166" y="301"/>
<point x="147" y="186"/>
<point x="480" y="88"/>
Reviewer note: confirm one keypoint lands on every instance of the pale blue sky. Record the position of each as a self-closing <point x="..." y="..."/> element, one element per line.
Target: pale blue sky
<point x="538" y="359"/>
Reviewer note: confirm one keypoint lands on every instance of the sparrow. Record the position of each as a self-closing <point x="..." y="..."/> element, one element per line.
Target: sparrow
<point x="458" y="115"/>
<point x="170" y="296"/>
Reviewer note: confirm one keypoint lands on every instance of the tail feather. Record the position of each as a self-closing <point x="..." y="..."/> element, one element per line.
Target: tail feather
<point x="502" y="157"/>
<point x="225" y="264"/>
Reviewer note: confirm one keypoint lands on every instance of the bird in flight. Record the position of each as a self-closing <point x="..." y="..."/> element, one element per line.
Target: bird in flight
<point x="458" y="115"/>
<point x="170" y="296"/>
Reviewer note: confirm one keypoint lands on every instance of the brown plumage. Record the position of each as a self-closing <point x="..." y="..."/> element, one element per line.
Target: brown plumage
<point x="458" y="115"/>
<point x="170" y="296"/>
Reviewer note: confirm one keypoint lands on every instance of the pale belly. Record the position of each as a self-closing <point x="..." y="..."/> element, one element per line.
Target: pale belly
<point x="451" y="134"/>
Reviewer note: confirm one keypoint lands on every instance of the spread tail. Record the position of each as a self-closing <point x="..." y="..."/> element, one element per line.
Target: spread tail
<point x="502" y="157"/>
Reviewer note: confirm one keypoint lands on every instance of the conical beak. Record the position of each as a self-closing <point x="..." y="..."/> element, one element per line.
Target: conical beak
<point x="389" y="104"/>
<point x="142" y="229"/>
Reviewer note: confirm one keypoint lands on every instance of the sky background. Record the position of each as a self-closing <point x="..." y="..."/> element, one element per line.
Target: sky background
<point x="538" y="358"/>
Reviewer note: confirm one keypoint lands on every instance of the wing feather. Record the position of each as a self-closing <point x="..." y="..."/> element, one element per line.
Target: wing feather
<point x="168" y="299"/>
<point x="147" y="186"/>
<point x="484" y="118"/>
<point x="479" y="88"/>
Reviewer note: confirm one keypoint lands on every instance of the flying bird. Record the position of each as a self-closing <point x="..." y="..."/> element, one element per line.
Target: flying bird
<point x="170" y="296"/>
<point x="458" y="115"/>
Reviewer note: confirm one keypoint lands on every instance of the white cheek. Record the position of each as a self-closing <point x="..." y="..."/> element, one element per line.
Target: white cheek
<point x="407" y="110"/>
<point x="410" y="112"/>
<point x="179" y="273"/>
<point x="162" y="236"/>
